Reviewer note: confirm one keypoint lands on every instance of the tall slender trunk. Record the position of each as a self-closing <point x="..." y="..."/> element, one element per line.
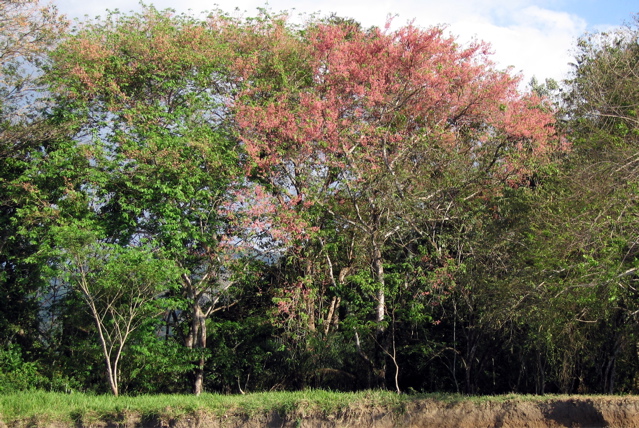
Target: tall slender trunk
<point x="380" y="336"/>
<point x="310" y="302"/>
<point x="470" y="356"/>
<point x="609" y="372"/>
<point x="112" y="368"/>
<point x="540" y="384"/>
<point x="197" y="340"/>
<point x="378" y="266"/>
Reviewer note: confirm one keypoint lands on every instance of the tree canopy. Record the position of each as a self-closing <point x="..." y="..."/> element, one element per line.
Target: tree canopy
<point x="244" y="204"/>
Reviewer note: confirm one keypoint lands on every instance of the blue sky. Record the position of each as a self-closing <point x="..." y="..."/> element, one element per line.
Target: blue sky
<point x="601" y="13"/>
<point x="535" y="37"/>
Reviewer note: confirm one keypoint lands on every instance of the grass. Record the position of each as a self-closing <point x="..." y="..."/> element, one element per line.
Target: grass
<point x="39" y="408"/>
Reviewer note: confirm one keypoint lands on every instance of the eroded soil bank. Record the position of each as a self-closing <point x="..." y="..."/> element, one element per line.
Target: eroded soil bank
<point x="565" y="412"/>
<point x="552" y="412"/>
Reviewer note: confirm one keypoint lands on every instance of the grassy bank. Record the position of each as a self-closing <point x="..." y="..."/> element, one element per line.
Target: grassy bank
<point x="41" y="408"/>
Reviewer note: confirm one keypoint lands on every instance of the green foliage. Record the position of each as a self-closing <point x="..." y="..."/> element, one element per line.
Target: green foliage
<point x="27" y="33"/>
<point x="17" y="374"/>
<point x="248" y="205"/>
<point x="156" y="364"/>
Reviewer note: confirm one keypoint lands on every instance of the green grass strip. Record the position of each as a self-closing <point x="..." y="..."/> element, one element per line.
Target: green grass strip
<point x="40" y="408"/>
<point x="46" y="407"/>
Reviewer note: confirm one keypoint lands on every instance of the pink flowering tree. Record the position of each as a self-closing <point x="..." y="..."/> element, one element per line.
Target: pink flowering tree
<point x="386" y="132"/>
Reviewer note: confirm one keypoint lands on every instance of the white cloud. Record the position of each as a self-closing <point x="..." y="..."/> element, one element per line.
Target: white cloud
<point x="533" y="40"/>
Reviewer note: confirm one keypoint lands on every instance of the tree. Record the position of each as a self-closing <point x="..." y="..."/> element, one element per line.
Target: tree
<point x="601" y="101"/>
<point x="581" y="233"/>
<point x="157" y="87"/>
<point x="120" y="286"/>
<point x="390" y="133"/>
<point x="601" y="96"/>
<point x="28" y="31"/>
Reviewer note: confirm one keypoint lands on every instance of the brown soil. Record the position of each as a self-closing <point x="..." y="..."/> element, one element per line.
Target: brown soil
<point x="555" y="412"/>
<point x="570" y="412"/>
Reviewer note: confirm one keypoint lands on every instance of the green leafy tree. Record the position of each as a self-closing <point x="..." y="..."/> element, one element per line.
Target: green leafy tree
<point x="28" y="31"/>
<point x="581" y="237"/>
<point x="154" y="89"/>
<point x="120" y="286"/>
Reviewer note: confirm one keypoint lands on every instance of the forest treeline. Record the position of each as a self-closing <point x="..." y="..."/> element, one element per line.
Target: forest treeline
<point x="246" y="204"/>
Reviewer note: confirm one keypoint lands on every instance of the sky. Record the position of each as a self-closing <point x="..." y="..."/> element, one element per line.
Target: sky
<point x="534" y="37"/>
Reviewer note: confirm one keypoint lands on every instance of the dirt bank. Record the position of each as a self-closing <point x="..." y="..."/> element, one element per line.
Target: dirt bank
<point x="570" y="412"/>
<point x="560" y="412"/>
<point x="565" y="412"/>
<point x="603" y="411"/>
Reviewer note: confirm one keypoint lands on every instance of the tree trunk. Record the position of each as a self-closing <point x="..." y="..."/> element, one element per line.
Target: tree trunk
<point x="610" y="370"/>
<point x="329" y="316"/>
<point x="112" y="369"/>
<point x="113" y="377"/>
<point x="309" y="300"/>
<point x="540" y="381"/>
<point x="197" y="340"/>
<point x="380" y="334"/>
<point x="378" y="266"/>
<point x="472" y="343"/>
